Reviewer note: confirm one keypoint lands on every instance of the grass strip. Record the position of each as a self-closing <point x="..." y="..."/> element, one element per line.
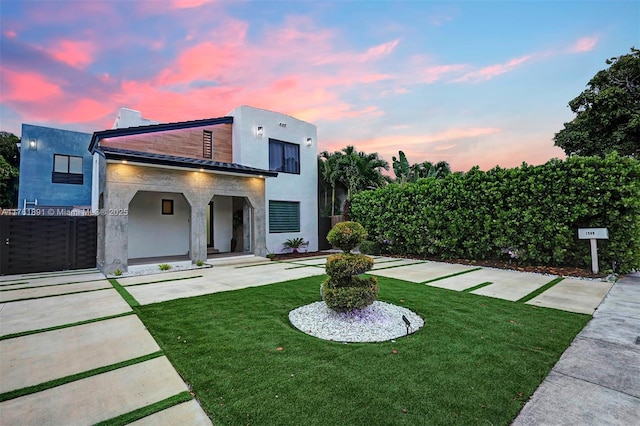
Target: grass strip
<point x="161" y="281"/>
<point x="124" y="293"/>
<point x="140" y="413"/>
<point x="541" y="290"/>
<point x="475" y="287"/>
<point x="54" y="295"/>
<point x="450" y="275"/>
<point x="59" y="327"/>
<point x="253" y="265"/>
<point x="13" y="283"/>
<point x="399" y="266"/>
<point x="47" y="285"/>
<point x="74" y="377"/>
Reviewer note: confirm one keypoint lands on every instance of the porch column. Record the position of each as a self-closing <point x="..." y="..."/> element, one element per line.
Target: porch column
<point x="198" y="241"/>
<point x="116" y="220"/>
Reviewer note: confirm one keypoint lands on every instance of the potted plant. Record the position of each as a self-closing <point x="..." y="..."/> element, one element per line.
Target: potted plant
<point x="293" y="244"/>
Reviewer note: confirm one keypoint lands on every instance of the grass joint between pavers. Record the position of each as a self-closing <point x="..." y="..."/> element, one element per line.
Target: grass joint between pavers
<point x="444" y="277"/>
<point x="124" y="293"/>
<point x="59" y="327"/>
<point x="74" y="377"/>
<point x="476" y="287"/>
<point x="148" y="410"/>
<point x="541" y="290"/>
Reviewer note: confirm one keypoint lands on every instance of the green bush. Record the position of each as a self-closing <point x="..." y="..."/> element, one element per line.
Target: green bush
<point x="533" y="211"/>
<point x="164" y="266"/>
<point x="361" y="293"/>
<point x="347" y="264"/>
<point x="346" y="235"/>
<point x="369" y="247"/>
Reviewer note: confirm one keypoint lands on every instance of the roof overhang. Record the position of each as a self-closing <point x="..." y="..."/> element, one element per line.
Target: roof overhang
<point x="128" y="131"/>
<point x="114" y="155"/>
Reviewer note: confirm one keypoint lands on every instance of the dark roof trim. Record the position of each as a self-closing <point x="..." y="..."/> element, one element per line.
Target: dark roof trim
<point x="128" y="131"/>
<point x="183" y="162"/>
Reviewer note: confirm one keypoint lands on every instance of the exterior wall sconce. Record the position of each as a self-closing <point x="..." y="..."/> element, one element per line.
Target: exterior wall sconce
<point x="33" y="144"/>
<point x="309" y="141"/>
<point x="260" y="131"/>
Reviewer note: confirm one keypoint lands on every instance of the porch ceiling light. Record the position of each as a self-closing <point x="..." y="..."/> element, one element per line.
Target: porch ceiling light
<point x="33" y="144"/>
<point x="309" y="141"/>
<point x="260" y="131"/>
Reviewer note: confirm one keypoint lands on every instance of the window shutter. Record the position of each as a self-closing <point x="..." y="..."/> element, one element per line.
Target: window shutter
<point x="284" y="216"/>
<point x="207" y="144"/>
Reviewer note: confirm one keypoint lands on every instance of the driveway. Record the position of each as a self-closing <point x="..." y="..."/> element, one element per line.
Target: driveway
<point x="72" y="350"/>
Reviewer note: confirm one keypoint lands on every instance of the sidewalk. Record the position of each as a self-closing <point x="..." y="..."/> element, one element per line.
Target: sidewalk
<point x="597" y="379"/>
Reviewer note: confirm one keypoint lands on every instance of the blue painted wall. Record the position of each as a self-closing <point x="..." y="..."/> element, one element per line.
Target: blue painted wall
<point x="36" y="167"/>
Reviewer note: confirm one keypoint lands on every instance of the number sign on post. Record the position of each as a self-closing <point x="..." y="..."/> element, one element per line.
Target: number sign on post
<point x="593" y="235"/>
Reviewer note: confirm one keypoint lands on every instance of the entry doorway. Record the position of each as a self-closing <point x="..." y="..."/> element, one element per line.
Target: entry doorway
<point x="228" y="223"/>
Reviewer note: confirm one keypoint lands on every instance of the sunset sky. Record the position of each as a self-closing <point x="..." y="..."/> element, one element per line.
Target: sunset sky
<point x="473" y="83"/>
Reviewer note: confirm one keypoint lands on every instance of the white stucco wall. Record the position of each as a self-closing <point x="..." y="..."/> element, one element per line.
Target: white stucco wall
<point x="153" y="234"/>
<point x="249" y="149"/>
<point x="222" y="222"/>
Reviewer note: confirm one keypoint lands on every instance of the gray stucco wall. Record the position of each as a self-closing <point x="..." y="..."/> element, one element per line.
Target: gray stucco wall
<point x="123" y="181"/>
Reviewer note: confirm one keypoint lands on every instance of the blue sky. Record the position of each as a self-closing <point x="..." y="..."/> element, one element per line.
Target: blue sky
<point x="473" y="83"/>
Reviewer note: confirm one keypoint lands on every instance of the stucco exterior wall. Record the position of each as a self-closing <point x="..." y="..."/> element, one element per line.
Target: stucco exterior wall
<point x="36" y="167"/>
<point x="123" y="181"/>
<point x="250" y="149"/>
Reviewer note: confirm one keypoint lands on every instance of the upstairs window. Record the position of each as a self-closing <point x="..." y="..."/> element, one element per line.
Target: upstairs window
<point x="284" y="157"/>
<point x="67" y="169"/>
<point x="207" y="144"/>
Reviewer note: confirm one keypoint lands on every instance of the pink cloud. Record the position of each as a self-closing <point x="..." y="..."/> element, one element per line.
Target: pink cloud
<point x="492" y="71"/>
<point x="10" y="34"/>
<point x="379" y="51"/>
<point x="584" y="44"/>
<point x="434" y="73"/>
<point x="26" y="86"/>
<point x="78" y="54"/>
<point x="188" y="4"/>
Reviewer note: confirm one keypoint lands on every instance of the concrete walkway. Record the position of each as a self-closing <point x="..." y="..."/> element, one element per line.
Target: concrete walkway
<point x="597" y="379"/>
<point x="33" y="303"/>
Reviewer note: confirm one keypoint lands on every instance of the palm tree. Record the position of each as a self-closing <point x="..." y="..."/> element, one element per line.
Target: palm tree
<point x="360" y="171"/>
<point x="331" y="173"/>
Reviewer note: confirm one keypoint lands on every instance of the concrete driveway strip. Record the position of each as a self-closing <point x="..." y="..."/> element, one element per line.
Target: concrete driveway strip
<point x="96" y="398"/>
<point x="581" y="296"/>
<point x="187" y="413"/>
<point x="37" y="358"/>
<point x="8" y="296"/>
<point x="565" y="400"/>
<point x="62" y="278"/>
<point x="420" y="272"/>
<point x="16" y="317"/>
<point x="511" y="285"/>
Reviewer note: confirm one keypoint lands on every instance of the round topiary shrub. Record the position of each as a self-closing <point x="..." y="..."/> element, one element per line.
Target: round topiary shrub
<point x="344" y="291"/>
<point x="347" y="264"/>
<point x="360" y="293"/>
<point x="346" y="235"/>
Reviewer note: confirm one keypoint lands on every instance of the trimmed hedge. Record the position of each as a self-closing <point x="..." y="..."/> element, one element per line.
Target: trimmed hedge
<point x="344" y="265"/>
<point x="346" y="235"/>
<point x="530" y="214"/>
<point x="357" y="293"/>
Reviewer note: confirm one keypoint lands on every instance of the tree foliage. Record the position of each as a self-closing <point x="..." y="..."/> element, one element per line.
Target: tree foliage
<point x="534" y="211"/>
<point x="405" y="173"/>
<point x="607" y="112"/>
<point x="9" y="169"/>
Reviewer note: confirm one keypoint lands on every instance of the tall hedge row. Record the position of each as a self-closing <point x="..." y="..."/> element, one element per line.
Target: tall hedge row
<point x="530" y="214"/>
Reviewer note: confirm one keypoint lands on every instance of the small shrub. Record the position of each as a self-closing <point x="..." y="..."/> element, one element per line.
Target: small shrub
<point x="117" y="272"/>
<point x="369" y="247"/>
<point x="346" y="235"/>
<point x="361" y="293"/>
<point x="199" y="263"/>
<point x="164" y="266"/>
<point x="293" y="244"/>
<point x="345" y="265"/>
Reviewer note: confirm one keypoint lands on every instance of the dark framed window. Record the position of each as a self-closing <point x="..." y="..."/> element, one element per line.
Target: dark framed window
<point x="167" y="206"/>
<point x="207" y="144"/>
<point x="67" y="169"/>
<point x="284" y="156"/>
<point x="284" y="216"/>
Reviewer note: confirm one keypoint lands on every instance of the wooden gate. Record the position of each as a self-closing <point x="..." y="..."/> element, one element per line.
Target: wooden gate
<point x="47" y="243"/>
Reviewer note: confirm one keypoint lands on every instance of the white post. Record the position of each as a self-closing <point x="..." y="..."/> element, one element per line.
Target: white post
<point x="594" y="255"/>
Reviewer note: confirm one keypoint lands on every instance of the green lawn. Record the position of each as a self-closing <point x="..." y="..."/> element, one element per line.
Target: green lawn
<point x="476" y="361"/>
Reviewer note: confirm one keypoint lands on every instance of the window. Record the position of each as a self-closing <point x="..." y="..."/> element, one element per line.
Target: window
<point x="67" y="169"/>
<point x="167" y="206"/>
<point x="207" y="143"/>
<point x="284" y="156"/>
<point x="284" y="216"/>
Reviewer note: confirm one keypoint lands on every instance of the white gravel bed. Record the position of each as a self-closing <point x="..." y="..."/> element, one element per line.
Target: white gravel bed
<point x="376" y="323"/>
